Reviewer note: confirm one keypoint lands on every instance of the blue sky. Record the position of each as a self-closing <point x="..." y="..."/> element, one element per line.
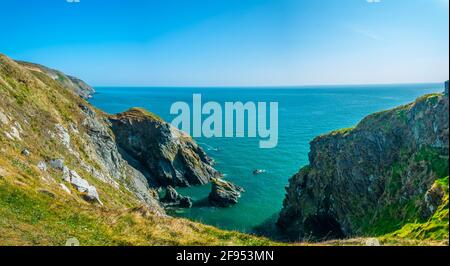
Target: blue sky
<point x="232" y="42"/>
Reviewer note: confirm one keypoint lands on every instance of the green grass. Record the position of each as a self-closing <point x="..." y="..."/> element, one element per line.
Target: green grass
<point x="28" y="217"/>
<point x="435" y="228"/>
<point x="433" y="156"/>
<point x="342" y="131"/>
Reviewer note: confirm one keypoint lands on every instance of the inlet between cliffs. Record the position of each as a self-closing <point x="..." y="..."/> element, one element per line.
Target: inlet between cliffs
<point x="304" y="113"/>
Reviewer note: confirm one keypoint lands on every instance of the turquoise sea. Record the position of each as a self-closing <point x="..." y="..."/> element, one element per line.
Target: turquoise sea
<point x="304" y="112"/>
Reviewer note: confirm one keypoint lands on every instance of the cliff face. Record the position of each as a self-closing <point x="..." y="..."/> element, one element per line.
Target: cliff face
<point x="164" y="153"/>
<point x="374" y="178"/>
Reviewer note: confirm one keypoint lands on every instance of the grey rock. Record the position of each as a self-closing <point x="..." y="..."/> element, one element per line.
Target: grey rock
<point x="57" y="164"/>
<point x="25" y="152"/>
<point x="82" y="185"/>
<point x="224" y="193"/>
<point x="173" y="199"/>
<point x="113" y="162"/>
<point x="63" y="135"/>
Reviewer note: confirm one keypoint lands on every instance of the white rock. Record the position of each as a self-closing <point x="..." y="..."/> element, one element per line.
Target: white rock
<point x="15" y="133"/>
<point x="3" y="118"/>
<point x="81" y="185"/>
<point x="63" y="135"/>
<point x="42" y="166"/>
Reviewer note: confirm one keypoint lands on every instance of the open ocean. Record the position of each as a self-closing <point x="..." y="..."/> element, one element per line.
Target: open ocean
<point x="304" y="113"/>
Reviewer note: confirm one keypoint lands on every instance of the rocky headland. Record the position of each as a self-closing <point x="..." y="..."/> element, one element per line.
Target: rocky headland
<point x="387" y="175"/>
<point x="167" y="155"/>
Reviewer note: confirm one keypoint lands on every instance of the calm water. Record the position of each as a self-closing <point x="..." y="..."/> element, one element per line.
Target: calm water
<point x="304" y="113"/>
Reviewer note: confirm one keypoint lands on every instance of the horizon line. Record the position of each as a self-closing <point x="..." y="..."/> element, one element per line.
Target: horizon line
<point x="271" y="86"/>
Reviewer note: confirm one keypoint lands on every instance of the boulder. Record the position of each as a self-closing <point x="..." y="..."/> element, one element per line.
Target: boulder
<point x="25" y="152"/>
<point x="83" y="186"/>
<point x="173" y="199"/>
<point x="224" y="193"/>
<point x="57" y="164"/>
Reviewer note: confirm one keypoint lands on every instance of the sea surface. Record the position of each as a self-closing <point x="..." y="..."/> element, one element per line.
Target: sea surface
<point x="304" y="113"/>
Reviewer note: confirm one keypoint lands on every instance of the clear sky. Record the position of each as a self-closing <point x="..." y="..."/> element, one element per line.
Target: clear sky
<point x="232" y="42"/>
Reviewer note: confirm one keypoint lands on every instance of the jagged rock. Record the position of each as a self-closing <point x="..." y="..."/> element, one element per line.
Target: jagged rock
<point x="57" y="164"/>
<point x="167" y="154"/>
<point x="107" y="153"/>
<point x="355" y="176"/>
<point x="173" y="199"/>
<point x="224" y="193"/>
<point x="63" y="135"/>
<point x="89" y="191"/>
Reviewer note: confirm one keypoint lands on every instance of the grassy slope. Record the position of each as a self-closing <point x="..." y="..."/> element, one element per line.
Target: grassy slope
<point x="435" y="228"/>
<point x="31" y="217"/>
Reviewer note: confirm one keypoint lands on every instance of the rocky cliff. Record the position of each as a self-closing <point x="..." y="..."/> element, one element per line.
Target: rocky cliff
<point x="374" y="178"/>
<point x="167" y="155"/>
<point x="70" y="170"/>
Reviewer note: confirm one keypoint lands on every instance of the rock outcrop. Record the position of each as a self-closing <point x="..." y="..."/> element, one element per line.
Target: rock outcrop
<point x="223" y="193"/>
<point x="373" y="178"/>
<point x="89" y="192"/>
<point x="173" y="199"/>
<point x="164" y="153"/>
